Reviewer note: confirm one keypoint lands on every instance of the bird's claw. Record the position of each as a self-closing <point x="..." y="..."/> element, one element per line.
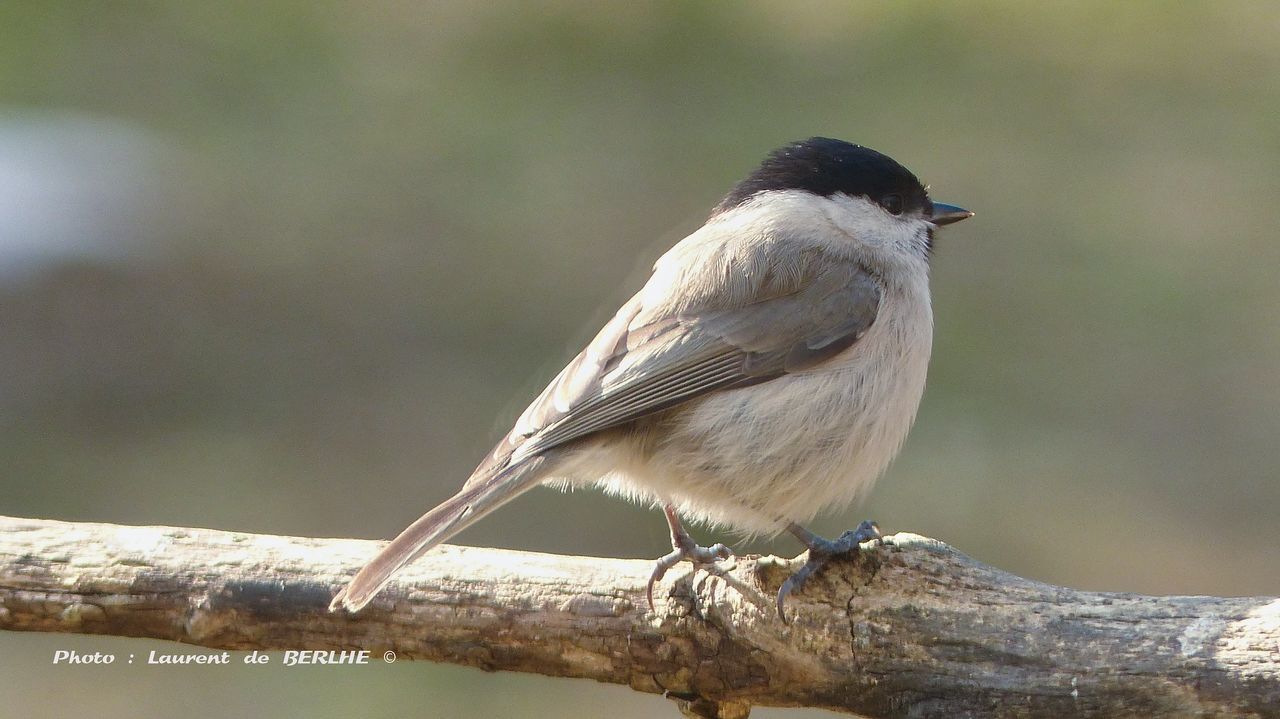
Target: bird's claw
<point x="687" y="550"/>
<point x="820" y="552"/>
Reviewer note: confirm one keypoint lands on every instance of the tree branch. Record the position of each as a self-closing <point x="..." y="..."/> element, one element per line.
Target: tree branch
<point x="912" y="628"/>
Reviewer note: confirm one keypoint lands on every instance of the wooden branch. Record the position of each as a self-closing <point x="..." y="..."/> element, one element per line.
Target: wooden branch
<point x="909" y="629"/>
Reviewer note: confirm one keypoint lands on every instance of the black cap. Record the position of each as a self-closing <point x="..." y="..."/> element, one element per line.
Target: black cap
<point x="824" y="167"/>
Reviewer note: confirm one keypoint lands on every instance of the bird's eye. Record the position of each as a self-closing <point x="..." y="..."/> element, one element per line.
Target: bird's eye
<point x="892" y="204"/>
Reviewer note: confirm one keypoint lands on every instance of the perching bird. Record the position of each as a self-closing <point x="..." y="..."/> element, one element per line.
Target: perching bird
<point x="769" y="369"/>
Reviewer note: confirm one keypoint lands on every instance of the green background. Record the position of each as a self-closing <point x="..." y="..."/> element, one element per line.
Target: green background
<point x="292" y="267"/>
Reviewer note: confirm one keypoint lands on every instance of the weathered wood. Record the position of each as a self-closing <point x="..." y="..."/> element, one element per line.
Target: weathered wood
<point x="909" y="629"/>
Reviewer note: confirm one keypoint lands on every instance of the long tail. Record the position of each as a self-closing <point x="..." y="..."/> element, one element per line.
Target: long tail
<point x="452" y="516"/>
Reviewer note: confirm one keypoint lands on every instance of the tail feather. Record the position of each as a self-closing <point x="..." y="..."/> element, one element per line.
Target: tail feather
<point x="438" y="525"/>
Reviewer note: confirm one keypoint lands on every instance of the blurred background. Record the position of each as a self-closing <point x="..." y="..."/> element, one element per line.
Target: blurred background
<point x="292" y="267"/>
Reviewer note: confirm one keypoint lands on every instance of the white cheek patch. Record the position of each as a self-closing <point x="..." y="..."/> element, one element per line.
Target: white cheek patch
<point x="875" y="228"/>
<point x="844" y="224"/>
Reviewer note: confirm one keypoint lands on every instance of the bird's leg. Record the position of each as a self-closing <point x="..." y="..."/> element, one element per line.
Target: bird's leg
<point x="820" y="551"/>
<point x="683" y="547"/>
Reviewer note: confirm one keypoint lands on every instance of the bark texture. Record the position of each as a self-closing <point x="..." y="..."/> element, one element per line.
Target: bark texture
<point x="912" y="628"/>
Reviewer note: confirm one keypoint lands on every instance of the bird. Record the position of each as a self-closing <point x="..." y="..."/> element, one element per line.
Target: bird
<point x="768" y="370"/>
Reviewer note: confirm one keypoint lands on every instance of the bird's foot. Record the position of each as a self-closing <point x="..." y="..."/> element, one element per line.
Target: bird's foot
<point x="683" y="547"/>
<point x="820" y="552"/>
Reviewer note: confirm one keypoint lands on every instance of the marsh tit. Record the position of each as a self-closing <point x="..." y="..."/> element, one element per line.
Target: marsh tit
<point x="769" y="369"/>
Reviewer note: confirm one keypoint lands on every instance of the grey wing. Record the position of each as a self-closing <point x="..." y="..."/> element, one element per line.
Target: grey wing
<point x="643" y="362"/>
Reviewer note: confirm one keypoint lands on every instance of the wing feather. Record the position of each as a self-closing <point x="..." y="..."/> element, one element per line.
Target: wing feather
<point x="647" y="359"/>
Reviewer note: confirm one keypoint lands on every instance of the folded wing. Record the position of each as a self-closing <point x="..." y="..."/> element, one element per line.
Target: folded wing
<point x="646" y="360"/>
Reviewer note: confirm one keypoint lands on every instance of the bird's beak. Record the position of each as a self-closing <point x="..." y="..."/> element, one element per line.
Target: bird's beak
<point x="944" y="214"/>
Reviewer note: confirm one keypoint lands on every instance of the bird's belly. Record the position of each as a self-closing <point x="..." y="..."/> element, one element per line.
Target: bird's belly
<point x="784" y="450"/>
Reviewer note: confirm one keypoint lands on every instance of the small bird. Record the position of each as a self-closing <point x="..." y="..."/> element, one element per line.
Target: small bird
<point x="769" y="369"/>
